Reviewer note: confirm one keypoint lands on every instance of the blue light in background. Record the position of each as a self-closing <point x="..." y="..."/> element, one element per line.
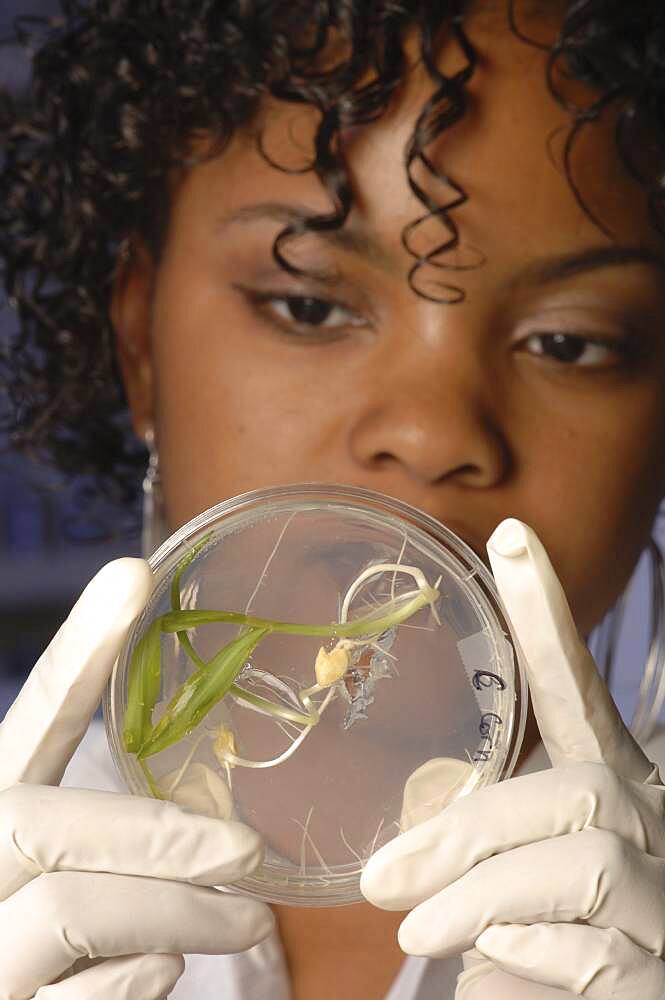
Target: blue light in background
<point x="50" y="544"/>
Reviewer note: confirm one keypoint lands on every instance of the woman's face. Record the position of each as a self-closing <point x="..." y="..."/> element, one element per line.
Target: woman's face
<point x="539" y="396"/>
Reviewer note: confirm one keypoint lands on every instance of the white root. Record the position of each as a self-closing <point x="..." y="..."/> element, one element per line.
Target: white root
<point x="177" y="776"/>
<point x="270" y="558"/>
<point x="395" y="571"/>
<point x="348" y="846"/>
<point x="231" y="758"/>
<point x="413" y="571"/>
<point x="306" y="836"/>
<point x="372" y="846"/>
<point x="331" y="665"/>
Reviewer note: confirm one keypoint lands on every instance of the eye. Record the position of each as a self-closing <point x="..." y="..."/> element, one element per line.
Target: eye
<point x="305" y="314"/>
<point x="577" y="350"/>
<point x="310" y="311"/>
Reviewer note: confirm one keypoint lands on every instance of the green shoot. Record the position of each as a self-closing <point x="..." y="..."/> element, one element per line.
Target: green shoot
<point x="150" y="778"/>
<point x="145" y="670"/>
<point x="389" y="615"/>
<point x="175" y="595"/>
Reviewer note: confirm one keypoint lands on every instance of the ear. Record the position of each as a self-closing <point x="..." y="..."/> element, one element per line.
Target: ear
<point x="131" y="311"/>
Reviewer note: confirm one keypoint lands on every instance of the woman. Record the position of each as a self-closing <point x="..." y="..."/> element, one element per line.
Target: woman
<point x="411" y="247"/>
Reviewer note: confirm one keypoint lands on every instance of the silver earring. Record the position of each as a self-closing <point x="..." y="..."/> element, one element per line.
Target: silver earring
<point x="125" y="250"/>
<point x="651" y="695"/>
<point x="652" y="685"/>
<point x="154" y="529"/>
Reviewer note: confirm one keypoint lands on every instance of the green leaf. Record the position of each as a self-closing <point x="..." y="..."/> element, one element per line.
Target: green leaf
<point x="143" y="687"/>
<point x="201" y="692"/>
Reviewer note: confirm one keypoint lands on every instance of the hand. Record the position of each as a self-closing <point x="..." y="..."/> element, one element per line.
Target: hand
<point x="121" y="880"/>
<point x="555" y="878"/>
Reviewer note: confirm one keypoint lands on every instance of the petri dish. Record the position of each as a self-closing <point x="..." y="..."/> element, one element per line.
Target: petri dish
<point x="324" y="663"/>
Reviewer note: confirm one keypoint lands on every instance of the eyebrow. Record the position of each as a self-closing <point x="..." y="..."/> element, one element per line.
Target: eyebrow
<point x="548" y="270"/>
<point x="538" y="272"/>
<point x="348" y="238"/>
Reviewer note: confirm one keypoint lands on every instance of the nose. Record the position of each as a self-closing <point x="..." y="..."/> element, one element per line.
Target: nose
<point x="432" y="419"/>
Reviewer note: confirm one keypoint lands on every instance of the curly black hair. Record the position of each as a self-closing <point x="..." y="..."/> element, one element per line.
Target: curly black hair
<point x="121" y="89"/>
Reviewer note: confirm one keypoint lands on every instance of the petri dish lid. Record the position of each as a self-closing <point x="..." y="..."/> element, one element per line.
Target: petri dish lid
<point x="421" y="694"/>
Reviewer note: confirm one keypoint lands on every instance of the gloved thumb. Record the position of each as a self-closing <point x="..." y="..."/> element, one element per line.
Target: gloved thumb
<point x="51" y="714"/>
<point x="577" y="718"/>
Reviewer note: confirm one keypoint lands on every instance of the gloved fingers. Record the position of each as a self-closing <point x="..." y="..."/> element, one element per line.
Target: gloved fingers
<point x="577" y="718"/>
<point x="593" y="876"/>
<point x="48" y="719"/>
<point x="46" y="829"/>
<point x="59" y="918"/>
<point x="136" y="977"/>
<point x="529" y="808"/>
<point x="588" y="962"/>
<point x="484" y="980"/>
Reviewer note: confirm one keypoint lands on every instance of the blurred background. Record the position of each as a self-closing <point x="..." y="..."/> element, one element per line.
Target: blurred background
<point x="53" y="537"/>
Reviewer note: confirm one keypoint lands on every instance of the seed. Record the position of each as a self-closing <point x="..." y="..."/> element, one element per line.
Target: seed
<point x="331" y="664"/>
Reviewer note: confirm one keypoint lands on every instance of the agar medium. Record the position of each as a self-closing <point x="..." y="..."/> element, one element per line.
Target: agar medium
<point x="325" y="664"/>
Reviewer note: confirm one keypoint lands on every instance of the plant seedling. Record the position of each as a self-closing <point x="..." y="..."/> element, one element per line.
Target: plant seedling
<point x="215" y="679"/>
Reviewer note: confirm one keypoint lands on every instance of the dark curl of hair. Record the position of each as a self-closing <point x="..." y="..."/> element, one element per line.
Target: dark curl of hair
<point x="120" y="89"/>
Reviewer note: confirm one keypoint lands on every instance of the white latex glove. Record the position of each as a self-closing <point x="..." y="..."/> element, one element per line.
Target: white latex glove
<point x="555" y="878"/>
<point x="84" y="875"/>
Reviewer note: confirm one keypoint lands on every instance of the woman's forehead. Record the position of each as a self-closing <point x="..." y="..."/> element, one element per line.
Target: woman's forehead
<point x="505" y="154"/>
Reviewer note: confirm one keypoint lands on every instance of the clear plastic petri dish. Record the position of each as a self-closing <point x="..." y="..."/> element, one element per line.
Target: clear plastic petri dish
<point x="323" y="663"/>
